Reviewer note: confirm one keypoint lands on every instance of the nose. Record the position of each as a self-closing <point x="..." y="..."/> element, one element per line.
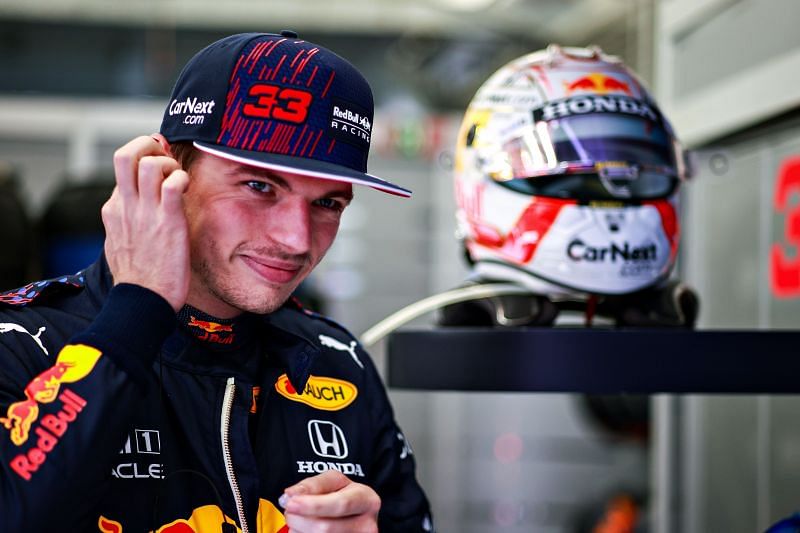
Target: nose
<point x="290" y="225"/>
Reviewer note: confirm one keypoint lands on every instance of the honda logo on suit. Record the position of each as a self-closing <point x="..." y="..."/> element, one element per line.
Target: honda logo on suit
<point x="327" y="439"/>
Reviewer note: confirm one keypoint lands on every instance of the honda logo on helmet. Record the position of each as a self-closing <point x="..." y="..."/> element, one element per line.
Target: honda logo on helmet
<point x="327" y="439"/>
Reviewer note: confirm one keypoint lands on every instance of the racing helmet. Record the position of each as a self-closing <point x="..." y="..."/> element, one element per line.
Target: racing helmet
<point x="566" y="177"/>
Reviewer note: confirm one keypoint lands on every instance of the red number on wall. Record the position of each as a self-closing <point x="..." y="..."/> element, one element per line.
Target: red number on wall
<point x="784" y="272"/>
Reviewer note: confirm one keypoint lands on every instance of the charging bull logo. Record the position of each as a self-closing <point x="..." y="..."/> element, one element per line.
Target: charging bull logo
<point x="73" y="364"/>
<point x="208" y="519"/>
<point x="597" y="83"/>
<point x="328" y="394"/>
<point x="212" y="331"/>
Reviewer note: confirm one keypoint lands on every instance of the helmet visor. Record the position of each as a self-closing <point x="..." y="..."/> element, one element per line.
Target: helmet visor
<point x="597" y="156"/>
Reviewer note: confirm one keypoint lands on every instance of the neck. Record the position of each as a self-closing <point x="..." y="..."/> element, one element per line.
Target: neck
<point x="207" y="303"/>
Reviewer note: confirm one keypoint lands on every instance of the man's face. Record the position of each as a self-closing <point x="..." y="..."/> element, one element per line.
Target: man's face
<point x="255" y="234"/>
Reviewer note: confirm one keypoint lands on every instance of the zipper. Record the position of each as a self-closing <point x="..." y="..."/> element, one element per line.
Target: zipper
<point x="227" y="406"/>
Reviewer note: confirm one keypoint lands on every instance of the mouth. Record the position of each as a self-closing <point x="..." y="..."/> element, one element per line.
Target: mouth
<point x="272" y="270"/>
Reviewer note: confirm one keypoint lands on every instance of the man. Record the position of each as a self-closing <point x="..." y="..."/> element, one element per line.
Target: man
<point x="116" y="418"/>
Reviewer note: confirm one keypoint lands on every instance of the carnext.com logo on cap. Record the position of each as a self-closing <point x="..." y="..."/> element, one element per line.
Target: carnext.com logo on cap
<point x="194" y="109"/>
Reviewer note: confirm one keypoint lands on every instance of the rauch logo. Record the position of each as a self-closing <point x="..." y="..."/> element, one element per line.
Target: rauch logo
<point x="328" y="394"/>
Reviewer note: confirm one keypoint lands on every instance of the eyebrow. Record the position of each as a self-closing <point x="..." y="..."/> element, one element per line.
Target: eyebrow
<point x="264" y="173"/>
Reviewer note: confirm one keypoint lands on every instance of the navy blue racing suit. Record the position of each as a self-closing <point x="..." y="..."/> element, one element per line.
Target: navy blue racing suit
<point x="118" y="416"/>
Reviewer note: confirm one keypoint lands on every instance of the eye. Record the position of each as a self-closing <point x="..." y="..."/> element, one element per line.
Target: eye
<point x="259" y="186"/>
<point x="330" y="203"/>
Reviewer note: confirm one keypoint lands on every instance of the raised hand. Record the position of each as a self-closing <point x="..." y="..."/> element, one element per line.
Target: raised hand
<point x="331" y="502"/>
<point x="147" y="239"/>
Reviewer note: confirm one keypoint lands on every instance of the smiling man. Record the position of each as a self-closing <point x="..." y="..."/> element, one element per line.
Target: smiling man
<point x="189" y="392"/>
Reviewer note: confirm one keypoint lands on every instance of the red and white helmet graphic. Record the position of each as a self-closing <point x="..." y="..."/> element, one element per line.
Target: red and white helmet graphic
<point x="566" y="176"/>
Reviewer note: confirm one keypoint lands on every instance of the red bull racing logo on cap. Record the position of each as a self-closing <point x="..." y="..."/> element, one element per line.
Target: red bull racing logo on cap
<point x="597" y="83"/>
<point x="73" y="364"/>
<point x="328" y="394"/>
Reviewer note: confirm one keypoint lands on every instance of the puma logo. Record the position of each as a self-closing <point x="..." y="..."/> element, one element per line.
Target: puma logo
<point x="330" y="342"/>
<point x="6" y="327"/>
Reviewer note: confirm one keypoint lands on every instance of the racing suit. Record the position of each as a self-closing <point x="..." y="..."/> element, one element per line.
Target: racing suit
<point x="116" y="416"/>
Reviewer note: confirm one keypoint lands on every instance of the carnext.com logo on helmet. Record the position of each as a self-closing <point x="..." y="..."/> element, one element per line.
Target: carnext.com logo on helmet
<point x="577" y="250"/>
<point x="194" y="109"/>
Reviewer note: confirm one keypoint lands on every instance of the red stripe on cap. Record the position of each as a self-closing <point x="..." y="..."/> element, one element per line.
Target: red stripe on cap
<point x="228" y="119"/>
<point x="252" y="57"/>
<point x="330" y="146"/>
<point x="235" y="125"/>
<point x="311" y="136"/>
<point x="279" y="141"/>
<point x="289" y="143"/>
<point x="328" y="86"/>
<point x="297" y="55"/>
<point x="278" y="67"/>
<point x="274" y="137"/>
<point x="287" y="138"/>
<point x="304" y="62"/>
<point x="236" y="68"/>
<point x="240" y="130"/>
<point x="273" y="47"/>
<point x="311" y="78"/>
<point x="299" y="139"/>
<point x="287" y="135"/>
<point x="264" y="138"/>
<point x="252" y="134"/>
<point x="249" y="136"/>
<point x="263" y="50"/>
<point x="234" y="90"/>
<point x="314" y="147"/>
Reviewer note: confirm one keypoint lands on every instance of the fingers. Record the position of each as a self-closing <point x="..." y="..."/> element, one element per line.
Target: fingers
<point x="127" y="160"/>
<point x="354" y="524"/>
<point x="172" y="190"/>
<point x="147" y="241"/>
<point x="329" y="481"/>
<point x="330" y="495"/>
<point x="151" y="176"/>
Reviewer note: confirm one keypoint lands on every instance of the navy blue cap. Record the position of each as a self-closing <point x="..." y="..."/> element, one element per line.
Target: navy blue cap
<point x="277" y="102"/>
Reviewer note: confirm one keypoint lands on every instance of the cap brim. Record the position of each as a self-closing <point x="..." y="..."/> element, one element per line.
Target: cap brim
<point x="303" y="166"/>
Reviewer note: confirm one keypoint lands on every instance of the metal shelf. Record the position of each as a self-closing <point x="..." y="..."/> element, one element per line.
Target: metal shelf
<point x="595" y="360"/>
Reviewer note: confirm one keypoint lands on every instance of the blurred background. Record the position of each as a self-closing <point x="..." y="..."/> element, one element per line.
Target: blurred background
<point x="81" y="77"/>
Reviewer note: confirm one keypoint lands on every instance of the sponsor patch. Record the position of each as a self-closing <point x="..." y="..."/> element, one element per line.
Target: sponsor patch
<point x="350" y="123"/>
<point x="330" y="342"/>
<point x="193" y="109"/>
<point x="134" y="466"/>
<point x="327" y="439"/>
<point x="584" y="104"/>
<point x="328" y="394"/>
<point x="597" y="82"/>
<point x="7" y="327"/>
<point x="74" y="363"/>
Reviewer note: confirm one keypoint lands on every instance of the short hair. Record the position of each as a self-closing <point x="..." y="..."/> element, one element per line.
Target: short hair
<point x="184" y="153"/>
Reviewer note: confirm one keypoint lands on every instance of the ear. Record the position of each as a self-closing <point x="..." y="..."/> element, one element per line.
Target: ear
<point x="160" y="139"/>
